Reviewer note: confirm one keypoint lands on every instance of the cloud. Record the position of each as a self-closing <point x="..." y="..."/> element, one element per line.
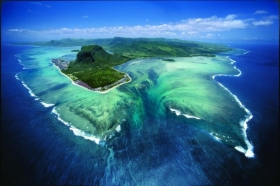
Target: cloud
<point x="260" y="12"/>
<point x="252" y="38"/>
<point x="16" y="30"/>
<point x="189" y="28"/>
<point x="230" y="17"/>
<point x="265" y="21"/>
<point x="48" y="6"/>
<point x="272" y="17"/>
<point x="215" y="23"/>
<point x="210" y="36"/>
<point x="262" y="23"/>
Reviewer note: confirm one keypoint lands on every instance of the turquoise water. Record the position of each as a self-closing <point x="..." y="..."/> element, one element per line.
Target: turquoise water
<point x="184" y="87"/>
<point x="166" y="138"/>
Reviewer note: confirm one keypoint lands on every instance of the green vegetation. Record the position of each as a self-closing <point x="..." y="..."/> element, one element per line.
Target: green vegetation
<point x="144" y="47"/>
<point x="93" y="64"/>
<point x="68" y="42"/>
<point x="93" y="67"/>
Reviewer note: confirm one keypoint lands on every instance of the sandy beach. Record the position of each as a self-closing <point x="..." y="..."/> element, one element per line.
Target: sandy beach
<point x="87" y="87"/>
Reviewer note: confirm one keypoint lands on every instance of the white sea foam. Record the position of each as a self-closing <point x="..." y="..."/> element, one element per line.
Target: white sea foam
<point x="232" y="61"/>
<point x="46" y="104"/>
<point x="189" y="116"/>
<point x="29" y="90"/>
<point x="81" y="133"/>
<point x="16" y="76"/>
<point x="240" y="149"/>
<point x="239" y="72"/>
<point x="21" y="64"/>
<point x="118" y="128"/>
<point x="249" y="152"/>
<point x="76" y="131"/>
<point x="178" y="112"/>
<point x="215" y="137"/>
<point x="58" y="117"/>
<point x="218" y="139"/>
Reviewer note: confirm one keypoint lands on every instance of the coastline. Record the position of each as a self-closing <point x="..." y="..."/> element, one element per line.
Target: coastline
<point x="247" y="149"/>
<point x="85" y="86"/>
<point x="249" y="152"/>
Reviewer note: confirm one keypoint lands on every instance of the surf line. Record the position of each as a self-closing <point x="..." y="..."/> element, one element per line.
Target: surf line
<point x="20" y="62"/>
<point x="81" y="133"/>
<point x="29" y="90"/>
<point x="77" y="131"/>
<point x="246" y="52"/>
<point x="101" y="92"/>
<point x="178" y="112"/>
<point x="33" y="95"/>
<point x="249" y="152"/>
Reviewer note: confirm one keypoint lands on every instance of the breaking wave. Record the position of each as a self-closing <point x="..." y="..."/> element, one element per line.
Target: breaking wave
<point x="249" y="152"/>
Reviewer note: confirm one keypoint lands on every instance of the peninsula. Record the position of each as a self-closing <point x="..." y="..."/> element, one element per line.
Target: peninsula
<point x="165" y="81"/>
<point x="93" y="66"/>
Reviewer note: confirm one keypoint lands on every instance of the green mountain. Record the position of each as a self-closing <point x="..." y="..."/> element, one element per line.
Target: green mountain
<point x="97" y="55"/>
<point x="144" y="47"/>
<point x="158" y="47"/>
<point x="94" y="62"/>
<point x="93" y="66"/>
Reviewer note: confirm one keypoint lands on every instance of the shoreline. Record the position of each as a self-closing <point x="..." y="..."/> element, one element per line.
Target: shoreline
<point x="249" y="152"/>
<point x="76" y="131"/>
<point x="85" y="86"/>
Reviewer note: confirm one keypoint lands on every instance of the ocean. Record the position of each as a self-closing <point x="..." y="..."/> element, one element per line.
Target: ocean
<point x="39" y="146"/>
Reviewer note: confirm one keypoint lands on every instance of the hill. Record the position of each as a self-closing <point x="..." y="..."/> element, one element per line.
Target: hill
<point x="144" y="47"/>
<point x="93" y="66"/>
<point x="94" y="62"/>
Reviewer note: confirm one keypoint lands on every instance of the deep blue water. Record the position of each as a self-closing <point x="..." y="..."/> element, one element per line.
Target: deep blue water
<point x="37" y="149"/>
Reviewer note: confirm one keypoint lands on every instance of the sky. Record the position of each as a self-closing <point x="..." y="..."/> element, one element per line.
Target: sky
<point x="188" y="20"/>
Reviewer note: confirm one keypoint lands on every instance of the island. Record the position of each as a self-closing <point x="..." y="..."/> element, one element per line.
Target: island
<point x="93" y="67"/>
<point x="142" y="47"/>
<point x="170" y="80"/>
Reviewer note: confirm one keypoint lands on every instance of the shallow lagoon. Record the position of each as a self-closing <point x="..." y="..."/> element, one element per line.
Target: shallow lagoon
<point x="39" y="149"/>
<point x="184" y="88"/>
